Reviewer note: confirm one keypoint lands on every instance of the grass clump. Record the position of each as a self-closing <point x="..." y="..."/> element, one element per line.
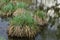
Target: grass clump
<point x="21" y="5"/>
<point x="3" y="2"/>
<point x="8" y="8"/>
<point x="23" y="25"/>
<point x="41" y="14"/>
<point x="23" y="19"/>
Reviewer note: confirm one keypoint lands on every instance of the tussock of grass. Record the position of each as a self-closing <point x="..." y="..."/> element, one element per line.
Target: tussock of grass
<point x="3" y="2"/>
<point x="41" y="14"/>
<point x="21" y="5"/>
<point x="25" y="31"/>
<point x="23" y="19"/>
<point x="23" y="25"/>
<point x="8" y="8"/>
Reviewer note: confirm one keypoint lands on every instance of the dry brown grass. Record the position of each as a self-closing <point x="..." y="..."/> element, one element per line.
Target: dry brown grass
<point x="22" y="32"/>
<point x="40" y="21"/>
<point x="19" y="11"/>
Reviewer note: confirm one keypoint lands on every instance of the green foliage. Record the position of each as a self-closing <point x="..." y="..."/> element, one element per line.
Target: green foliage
<point x="29" y="19"/>
<point x="41" y="14"/>
<point x="4" y="1"/>
<point x="18" y="21"/>
<point x="8" y="8"/>
<point x="21" y="5"/>
<point x="23" y="19"/>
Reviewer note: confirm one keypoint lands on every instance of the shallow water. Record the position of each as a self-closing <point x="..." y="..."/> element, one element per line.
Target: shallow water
<point x="47" y="34"/>
<point x="3" y="27"/>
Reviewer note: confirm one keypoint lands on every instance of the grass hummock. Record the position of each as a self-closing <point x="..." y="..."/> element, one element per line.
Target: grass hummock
<point x="23" y="25"/>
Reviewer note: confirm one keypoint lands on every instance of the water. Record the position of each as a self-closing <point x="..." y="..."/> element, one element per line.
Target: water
<point x="47" y="34"/>
<point x="3" y="27"/>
